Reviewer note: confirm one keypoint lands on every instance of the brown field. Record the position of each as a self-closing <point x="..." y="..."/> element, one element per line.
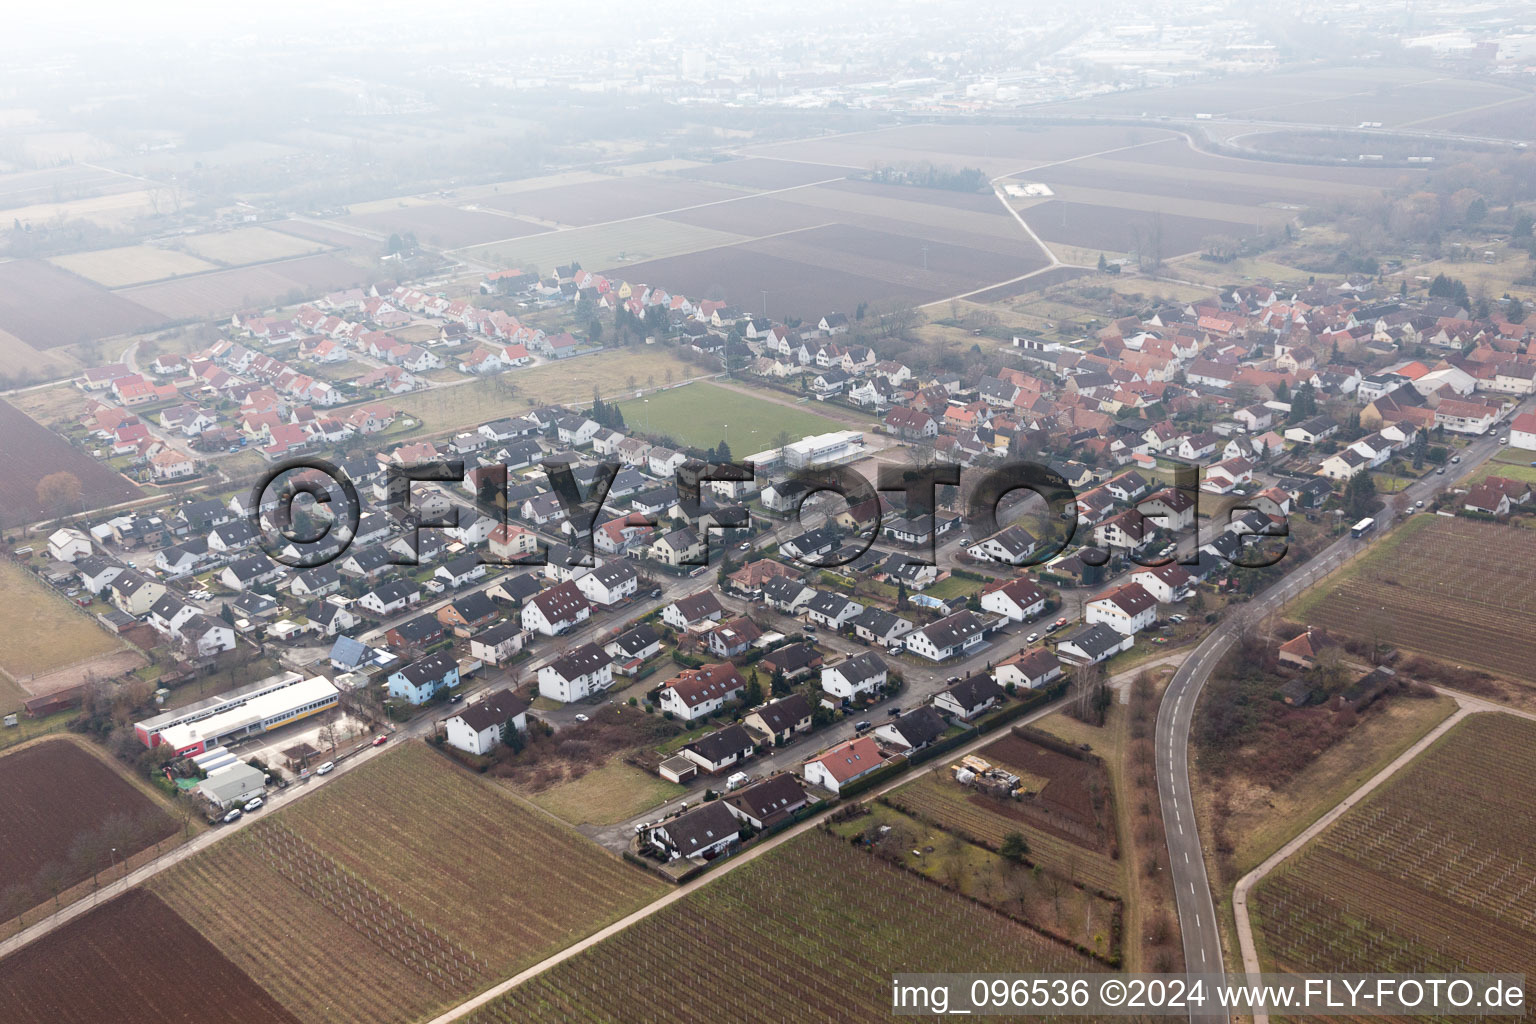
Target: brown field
<point x="47" y="307"/>
<point x="758" y="172"/>
<point x="132" y="264"/>
<point x="332" y="236"/>
<point x="443" y="227"/>
<point x="21" y="362"/>
<point x="248" y="245"/>
<point x="130" y="961"/>
<point x="736" y="273"/>
<point x="268" y="284"/>
<point x="977" y="202"/>
<point x="597" y="201"/>
<point x="726" y="951"/>
<point x="31" y="452"/>
<point x="1113" y="228"/>
<point x="41" y="631"/>
<point x="1177" y="153"/>
<point x="1073" y="803"/>
<point x="1426" y="874"/>
<point x="900" y="259"/>
<point x="415" y="883"/>
<point x="62" y="184"/>
<point x="1453" y="589"/>
<point x="755" y="216"/>
<point x="64" y="809"/>
<point x="1153" y="180"/>
<point x="996" y="150"/>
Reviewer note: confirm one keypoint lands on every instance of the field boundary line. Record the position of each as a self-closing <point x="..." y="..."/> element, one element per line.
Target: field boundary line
<point x="1247" y="882"/>
<point x="659" y="213"/>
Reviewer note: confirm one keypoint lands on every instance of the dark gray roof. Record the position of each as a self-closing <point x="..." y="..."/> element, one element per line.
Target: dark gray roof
<point x="580" y="661"/>
<point x="861" y="668"/>
<point x="722" y="743"/>
<point x="775" y="795"/>
<point x="493" y="710"/>
<point x="704" y="826"/>
<point x="921" y="726"/>
<point x="785" y="713"/>
<point x="974" y="692"/>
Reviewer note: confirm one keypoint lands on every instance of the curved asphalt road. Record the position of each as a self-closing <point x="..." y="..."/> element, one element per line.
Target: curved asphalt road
<point x="1192" y="889"/>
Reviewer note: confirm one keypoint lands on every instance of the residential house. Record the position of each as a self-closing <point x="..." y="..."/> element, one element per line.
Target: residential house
<point x="1093" y="642"/>
<point x="693" y="611"/>
<point x="948" y="637"/>
<point x="696" y="692"/>
<point x="782" y="719"/>
<point x="556" y="610"/>
<point x="969" y="698"/>
<point x="479" y="728"/>
<point x="1128" y="608"/>
<point x="721" y="749"/>
<point x="576" y="674"/>
<point x="914" y="730"/>
<point x="495" y="645"/>
<point x="421" y="680"/>
<point x="769" y="802"/>
<point x="1029" y="669"/>
<point x="1015" y="599"/>
<point x="854" y="677"/>
<point x="843" y="764"/>
<point x="703" y="833"/>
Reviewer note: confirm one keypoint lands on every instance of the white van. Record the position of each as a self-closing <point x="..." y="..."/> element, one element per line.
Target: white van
<point x="326" y="768"/>
<point x="736" y="781"/>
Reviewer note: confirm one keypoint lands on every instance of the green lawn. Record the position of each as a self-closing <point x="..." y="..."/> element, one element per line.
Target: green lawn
<point x="614" y="792"/>
<point x="702" y="415"/>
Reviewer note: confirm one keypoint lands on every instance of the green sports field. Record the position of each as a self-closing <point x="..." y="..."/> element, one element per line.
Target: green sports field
<point x="703" y="415"/>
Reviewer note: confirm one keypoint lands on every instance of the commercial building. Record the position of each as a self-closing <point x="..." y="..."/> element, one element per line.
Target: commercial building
<point x="275" y="701"/>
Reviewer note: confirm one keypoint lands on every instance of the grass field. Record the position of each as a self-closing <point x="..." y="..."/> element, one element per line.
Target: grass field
<point x="41" y="631"/>
<point x="938" y="799"/>
<point x="1265" y="819"/>
<point x="248" y="245"/>
<point x="415" y="883"/>
<point x="811" y="931"/>
<point x="1426" y="873"/>
<point x="614" y="792"/>
<point x="131" y="264"/>
<point x="567" y="382"/>
<point x="1452" y="589"/>
<point x="698" y="414"/>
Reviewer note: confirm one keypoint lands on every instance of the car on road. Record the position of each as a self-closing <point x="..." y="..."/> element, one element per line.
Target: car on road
<point x="1441" y="470"/>
<point x="860" y="727"/>
<point x="893" y="712"/>
<point x="232" y="817"/>
<point x="454" y="698"/>
<point x="381" y="739"/>
<point x="1455" y="458"/>
<point x="1058" y="624"/>
<point x="656" y="592"/>
<point x="1032" y="638"/>
<point x="809" y="628"/>
<point x="1503" y="440"/>
<point x="745" y="545"/>
<point x="326" y="768"/>
<point x="252" y="805"/>
<point x="1177" y="619"/>
<point x="1419" y="503"/>
<point x="953" y="679"/>
<point x="581" y="717"/>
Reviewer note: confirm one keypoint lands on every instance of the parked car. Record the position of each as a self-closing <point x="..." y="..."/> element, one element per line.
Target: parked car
<point x="1419" y="503"/>
<point x="1441" y="470"/>
<point x="809" y="628"/>
<point x="581" y="717"/>
<point x="1058" y="624"/>
<point x="1503" y="440"/>
<point x="1455" y="458"/>
<point x="252" y="805"/>
<point x="380" y="739"/>
<point x="326" y="768"/>
<point x="232" y="817"/>
<point x="656" y="592"/>
<point x="1032" y="638"/>
<point x="859" y="727"/>
<point x="953" y="679"/>
<point x="893" y="712"/>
